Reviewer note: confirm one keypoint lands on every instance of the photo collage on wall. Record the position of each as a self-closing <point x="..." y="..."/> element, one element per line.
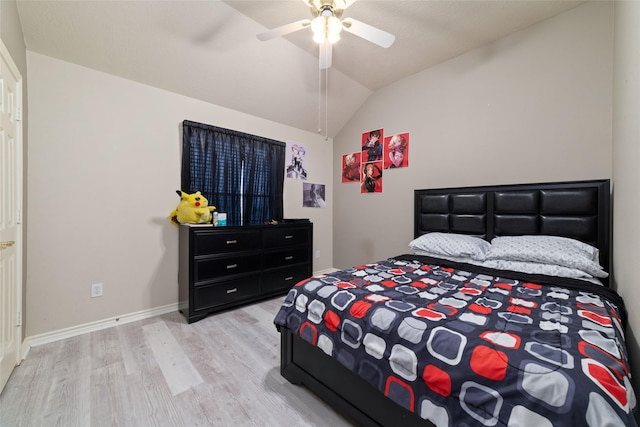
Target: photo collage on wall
<point x="377" y="154"/>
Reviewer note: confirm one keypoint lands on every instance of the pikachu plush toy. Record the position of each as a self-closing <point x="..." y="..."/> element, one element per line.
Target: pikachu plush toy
<point x="192" y="209"/>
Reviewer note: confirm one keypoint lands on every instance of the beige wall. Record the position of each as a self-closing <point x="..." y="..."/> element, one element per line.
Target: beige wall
<point x="532" y="107"/>
<point x="11" y="34"/>
<point x="104" y="164"/>
<point x="540" y="105"/>
<point x="626" y="174"/>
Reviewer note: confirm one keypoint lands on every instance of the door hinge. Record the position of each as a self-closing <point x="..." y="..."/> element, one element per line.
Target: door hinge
<point x="19" y="216"/>
<point x="19" y="319"/>
<point x="19" y="114"/>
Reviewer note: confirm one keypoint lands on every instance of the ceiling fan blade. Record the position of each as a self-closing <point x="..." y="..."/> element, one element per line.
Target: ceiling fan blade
<point x="367" y="32"/>
<point x="284" y="30"/>
<point x="325" y="55"/>
<point x="348" y="3"/>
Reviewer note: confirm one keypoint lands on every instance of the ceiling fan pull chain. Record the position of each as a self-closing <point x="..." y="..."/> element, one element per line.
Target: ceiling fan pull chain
<point x="319" y="100"/>
<point x="326" y="104"/>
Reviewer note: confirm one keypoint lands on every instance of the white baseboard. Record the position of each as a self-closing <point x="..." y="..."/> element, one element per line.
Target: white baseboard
<point x="73" y="331"/>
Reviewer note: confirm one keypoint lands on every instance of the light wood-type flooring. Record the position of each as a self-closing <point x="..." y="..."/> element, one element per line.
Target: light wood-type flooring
<point x="221" y="371"/>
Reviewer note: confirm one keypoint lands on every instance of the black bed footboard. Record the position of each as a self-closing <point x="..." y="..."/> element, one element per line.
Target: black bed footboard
<point x="304" y="364"/>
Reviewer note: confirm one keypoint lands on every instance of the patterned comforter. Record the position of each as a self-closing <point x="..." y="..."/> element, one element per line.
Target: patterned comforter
<point x="466" y="346"/>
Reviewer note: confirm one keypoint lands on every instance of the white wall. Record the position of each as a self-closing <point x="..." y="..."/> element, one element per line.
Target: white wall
<point x="532" y="107"/>
<point x="104" y="165"/>
<point x="626" y="174"/>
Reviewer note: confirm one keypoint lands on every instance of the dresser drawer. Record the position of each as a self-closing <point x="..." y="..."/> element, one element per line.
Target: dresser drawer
<point x="284" y="278"/>
<point x="224" y="267"/>
<point x="208" y="268"/>
<point x="277" y="236"/>
<point x="285" y="257"/>
<point x="215" y="241"/>
<point x="205" y="297"/>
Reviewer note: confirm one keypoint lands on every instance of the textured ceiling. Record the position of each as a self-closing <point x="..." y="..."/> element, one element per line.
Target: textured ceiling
<point x="208" y="49"/>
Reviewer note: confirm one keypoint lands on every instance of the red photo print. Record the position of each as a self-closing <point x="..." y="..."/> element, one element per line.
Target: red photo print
<point x="371" y="177"/>
<point x="351" y="167"/>
<point x="396" y="151"/>
<point x="372" y="145"/>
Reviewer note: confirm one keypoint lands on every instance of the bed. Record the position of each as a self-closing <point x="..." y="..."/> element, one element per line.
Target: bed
<point x="499" y="315"/>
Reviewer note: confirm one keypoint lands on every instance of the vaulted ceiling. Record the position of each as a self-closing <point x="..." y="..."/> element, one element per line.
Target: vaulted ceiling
<point x="208" y="50"/>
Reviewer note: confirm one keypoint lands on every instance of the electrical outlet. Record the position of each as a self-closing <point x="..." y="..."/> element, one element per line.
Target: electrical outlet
<point x="96" y="290"/>
<point x="318" y="253"/>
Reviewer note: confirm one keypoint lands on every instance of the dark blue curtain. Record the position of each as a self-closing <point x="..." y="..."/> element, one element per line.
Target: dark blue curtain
<point x="239" y="173"/>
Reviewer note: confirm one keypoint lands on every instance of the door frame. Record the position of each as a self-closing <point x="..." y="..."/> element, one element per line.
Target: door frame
<point x="19" y="179"/>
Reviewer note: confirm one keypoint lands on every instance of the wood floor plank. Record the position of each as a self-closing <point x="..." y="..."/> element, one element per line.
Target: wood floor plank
<point x="23" y="400"/>
<point x="136" y="354"/>
<point x="176" y="367"/>
<point x="68" y="398"/>
<point x="223" y="370"/>
<point x="151" y="401"/>
<point x="108" y="398"/>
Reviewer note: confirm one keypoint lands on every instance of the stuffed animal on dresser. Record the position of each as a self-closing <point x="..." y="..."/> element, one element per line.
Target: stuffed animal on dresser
<point x="192" y="209"/>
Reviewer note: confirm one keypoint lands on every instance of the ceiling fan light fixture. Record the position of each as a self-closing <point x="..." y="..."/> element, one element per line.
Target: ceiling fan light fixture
<point x="334" y="26"/>
<point x="319" y="29"/>
<point x="326" y="29"/>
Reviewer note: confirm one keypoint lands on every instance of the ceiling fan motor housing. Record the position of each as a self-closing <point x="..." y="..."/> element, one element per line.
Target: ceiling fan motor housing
<point x="327" y="8"/>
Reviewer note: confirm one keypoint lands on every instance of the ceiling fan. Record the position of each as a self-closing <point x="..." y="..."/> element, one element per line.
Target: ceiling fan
<point x="326" y="26"/>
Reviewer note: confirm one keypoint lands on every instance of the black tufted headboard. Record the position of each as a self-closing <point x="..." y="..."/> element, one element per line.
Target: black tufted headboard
<point x="576" y="209"/>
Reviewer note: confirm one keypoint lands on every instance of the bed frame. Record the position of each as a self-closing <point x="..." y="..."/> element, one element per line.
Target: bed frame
<point x="577" y="209"/>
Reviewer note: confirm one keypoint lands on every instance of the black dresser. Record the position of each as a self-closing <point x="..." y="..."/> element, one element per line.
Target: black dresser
<point x="222" y="267"/>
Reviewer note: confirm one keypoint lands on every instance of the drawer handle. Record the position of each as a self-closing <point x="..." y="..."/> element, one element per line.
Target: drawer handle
<point x="231" y="242"/>
<point x="289" y="236"/>
<point x="290" y="257"/>
<point x="230" y="291"/>
<point x="288" y="278"/>
<point x="230" y="266"/>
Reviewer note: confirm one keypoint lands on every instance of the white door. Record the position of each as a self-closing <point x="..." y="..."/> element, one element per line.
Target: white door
<point x="10" y="214"/>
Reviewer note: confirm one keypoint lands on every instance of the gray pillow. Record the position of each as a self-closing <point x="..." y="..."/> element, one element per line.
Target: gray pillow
<point x="536" y="268"/>
<point x="451" y="245"/>
<point x="521" y="266"/>
<point x="553" y="250"/>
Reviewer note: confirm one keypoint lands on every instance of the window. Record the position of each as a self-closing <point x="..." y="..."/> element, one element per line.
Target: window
<point x="239" y="173"/>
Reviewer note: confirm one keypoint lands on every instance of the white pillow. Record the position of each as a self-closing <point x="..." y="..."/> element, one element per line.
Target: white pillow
<point x="451" y="245"/>
<point x="553" y="250"/>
